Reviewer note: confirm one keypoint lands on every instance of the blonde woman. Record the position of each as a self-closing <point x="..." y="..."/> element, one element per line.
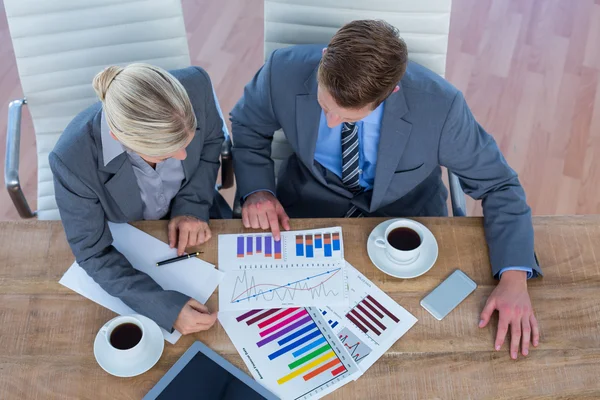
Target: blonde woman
<point x="148" y="150"/>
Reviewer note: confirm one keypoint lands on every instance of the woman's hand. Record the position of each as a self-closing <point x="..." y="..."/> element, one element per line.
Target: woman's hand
<point x="186" y="231"/>
<point x="194" y="317"/>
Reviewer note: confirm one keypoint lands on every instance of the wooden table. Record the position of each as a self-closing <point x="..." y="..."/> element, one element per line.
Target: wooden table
<point x="47" y="331"/>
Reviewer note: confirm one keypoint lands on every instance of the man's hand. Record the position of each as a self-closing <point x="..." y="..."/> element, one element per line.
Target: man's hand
<point x="185" y="231"/>
<point x="263" y="210"/>
<point x="512" y="301"/>
<point x="194" y="317"/>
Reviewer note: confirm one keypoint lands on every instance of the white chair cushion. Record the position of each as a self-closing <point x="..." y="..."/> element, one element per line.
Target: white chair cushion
<point x="61" y="44"/>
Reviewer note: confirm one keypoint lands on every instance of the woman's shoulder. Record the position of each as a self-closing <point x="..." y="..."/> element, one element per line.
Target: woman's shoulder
<point x="77" y="140"/>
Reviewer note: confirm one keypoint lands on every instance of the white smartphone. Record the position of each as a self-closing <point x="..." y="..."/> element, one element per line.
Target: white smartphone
<point x="448" y="294"/>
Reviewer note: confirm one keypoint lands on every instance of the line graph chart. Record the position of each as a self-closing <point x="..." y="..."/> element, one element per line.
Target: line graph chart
<point x="286" y="287"/>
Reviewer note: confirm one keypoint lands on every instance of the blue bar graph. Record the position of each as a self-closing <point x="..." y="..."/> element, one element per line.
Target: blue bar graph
<point x="318" y="241"/>
<point x="297" y="343"/>
<point x="258" y="244"/>
<point x="299" y="332"/>
<point x="309" y="346"/>
<point x="299" y="246"/>
<point x="249" y="242"/>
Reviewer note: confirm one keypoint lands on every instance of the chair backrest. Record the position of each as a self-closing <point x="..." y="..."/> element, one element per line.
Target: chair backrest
<point x="61" y="44"/>
<point x="423" y="24"/>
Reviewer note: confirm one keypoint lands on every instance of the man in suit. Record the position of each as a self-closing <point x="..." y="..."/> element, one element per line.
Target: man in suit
<point x="370" y="130"/>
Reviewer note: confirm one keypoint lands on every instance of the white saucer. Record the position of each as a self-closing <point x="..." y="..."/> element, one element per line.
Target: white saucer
<point x="116" y="367"/>
<point x="379" y="257"/>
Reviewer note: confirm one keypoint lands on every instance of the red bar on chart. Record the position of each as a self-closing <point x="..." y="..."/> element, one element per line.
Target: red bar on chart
<point x="276" y="317"/>
<point x="355" y="322"/>
<point x="263" y="315"/>
<point x="338" y="370"/>
<point x="370" y="316"/>
<point x="364" y="321"/>
<point x="322" y="369"/>
<point x="382" y="308"/>
<point x="283" y="323"/>
<point x="376" y="311"/>
<point x="246" y="315"/>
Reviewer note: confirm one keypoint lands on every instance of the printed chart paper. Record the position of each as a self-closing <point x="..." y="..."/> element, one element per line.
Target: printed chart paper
<point x="292" y="352"/>
<point x="372" y="322"/>
<point x="304" y="268"/>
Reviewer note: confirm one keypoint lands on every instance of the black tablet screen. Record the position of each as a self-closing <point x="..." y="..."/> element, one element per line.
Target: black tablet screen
<point x="204" y="379"/>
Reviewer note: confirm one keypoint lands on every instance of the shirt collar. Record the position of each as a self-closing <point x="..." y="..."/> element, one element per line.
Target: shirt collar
<point x="111" y="148"/>
<point x="375" y="116"/>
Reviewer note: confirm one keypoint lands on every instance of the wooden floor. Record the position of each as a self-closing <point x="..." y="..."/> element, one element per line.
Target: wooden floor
<point x="529" y="69"/>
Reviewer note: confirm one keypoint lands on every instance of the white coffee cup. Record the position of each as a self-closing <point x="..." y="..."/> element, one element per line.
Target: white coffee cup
<point x="396" y="255"/>
<point x="128" y="354"/>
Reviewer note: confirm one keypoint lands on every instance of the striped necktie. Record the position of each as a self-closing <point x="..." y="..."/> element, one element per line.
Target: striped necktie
<point x="350" y="167"/>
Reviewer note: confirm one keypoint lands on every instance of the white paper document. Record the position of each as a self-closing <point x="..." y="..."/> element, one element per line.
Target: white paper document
<point x="303" y="269"/>
<point x="372" y="322"/>
<point x="192" y="277"/>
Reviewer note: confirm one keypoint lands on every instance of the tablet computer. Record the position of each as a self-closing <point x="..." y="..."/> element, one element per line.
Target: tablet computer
<point x="201" y="373"/>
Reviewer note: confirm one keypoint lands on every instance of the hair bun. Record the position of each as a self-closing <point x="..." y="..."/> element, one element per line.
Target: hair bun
<point x="103" y="80"/>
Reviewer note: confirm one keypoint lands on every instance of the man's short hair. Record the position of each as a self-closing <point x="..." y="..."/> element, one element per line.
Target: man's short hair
<point x="363" y="63"/>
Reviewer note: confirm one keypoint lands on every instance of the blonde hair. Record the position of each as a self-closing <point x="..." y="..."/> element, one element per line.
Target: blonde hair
<point x="146" y="108"/>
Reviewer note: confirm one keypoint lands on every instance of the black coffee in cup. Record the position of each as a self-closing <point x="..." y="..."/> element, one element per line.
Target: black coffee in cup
<point x="125" y="336"/>
<point x="404" y="239"/>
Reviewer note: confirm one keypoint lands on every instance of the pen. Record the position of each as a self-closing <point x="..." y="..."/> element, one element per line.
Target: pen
<point x="184" y="257"/>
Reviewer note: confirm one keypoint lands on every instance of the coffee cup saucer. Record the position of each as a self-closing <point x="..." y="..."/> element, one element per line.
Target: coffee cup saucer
<point x="127" y="368"/>
<point x="423" y="263"/>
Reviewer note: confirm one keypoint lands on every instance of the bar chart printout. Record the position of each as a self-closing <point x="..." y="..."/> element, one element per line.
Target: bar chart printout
<point x="292" y="351"/>
<point x="316" y="245"/>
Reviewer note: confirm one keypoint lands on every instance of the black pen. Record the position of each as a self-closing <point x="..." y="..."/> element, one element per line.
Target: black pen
<point x="184" y="257"/>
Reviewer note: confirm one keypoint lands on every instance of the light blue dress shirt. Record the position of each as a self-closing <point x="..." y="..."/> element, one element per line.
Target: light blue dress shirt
<point x="328" y="151"/>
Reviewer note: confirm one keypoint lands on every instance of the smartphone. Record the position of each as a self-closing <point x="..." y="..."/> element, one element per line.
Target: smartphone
<point x="448" y="294"/>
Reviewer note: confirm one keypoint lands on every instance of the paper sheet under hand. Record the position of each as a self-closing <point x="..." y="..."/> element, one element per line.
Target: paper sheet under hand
<point x="193" y="277"/>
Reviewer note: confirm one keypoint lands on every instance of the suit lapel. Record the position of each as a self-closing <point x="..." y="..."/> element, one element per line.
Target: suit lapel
<point x="308" y="115"/>
<point x="394" y="134"/>
<point x="121" y="184"/>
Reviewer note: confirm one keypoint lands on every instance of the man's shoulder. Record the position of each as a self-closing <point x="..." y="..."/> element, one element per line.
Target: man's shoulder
<point x="299" y="60"/>
<point x="419" y="80"/>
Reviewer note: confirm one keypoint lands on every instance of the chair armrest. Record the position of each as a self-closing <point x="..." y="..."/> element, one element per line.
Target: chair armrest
<point x="237" y="206"/>
<point x="226" y="165"/>
<point x="457" y="196"/>
<point x="11" y="163"/>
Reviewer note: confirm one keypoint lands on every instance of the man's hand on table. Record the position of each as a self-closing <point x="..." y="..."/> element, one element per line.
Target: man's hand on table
<point x="194" y="317"/>
<point x="263" y="210"/>
<point x="186" y="231"/>
<point x="511" y="299"/>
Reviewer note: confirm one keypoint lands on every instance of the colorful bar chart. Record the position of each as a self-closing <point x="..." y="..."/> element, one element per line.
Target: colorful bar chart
<point x="240" y="247"/>
<point x="249" y="243"/>
<point x="253" y="245"/>
<point x="318" y="241"/>
<point x="259" y="244"/>
<point x="371" y="317"/>
<point x="317" y="245"/>
<point x="309" y="246"/>
<point x="292" y="335"/>
<point x="327" y="245"/>
<point x="299" y="245"/>
<point x="277" y="250"/>
<point x="268" y="244"/>
<point x="336" y="242"/>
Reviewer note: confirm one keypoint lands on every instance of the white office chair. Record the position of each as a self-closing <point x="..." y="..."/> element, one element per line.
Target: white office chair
<point x="59" y="46"/>
<point x="423" y="24"/>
